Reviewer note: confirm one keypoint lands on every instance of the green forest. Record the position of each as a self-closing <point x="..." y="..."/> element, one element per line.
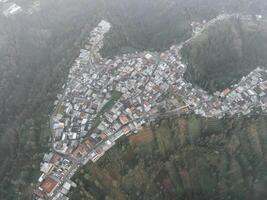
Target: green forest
<point x="36" y="52"/>
<point x="225" y="52"/>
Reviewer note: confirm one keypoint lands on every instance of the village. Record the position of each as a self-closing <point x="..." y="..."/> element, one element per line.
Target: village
<point x="10" y="8"/>
<point x="105" y="99"/>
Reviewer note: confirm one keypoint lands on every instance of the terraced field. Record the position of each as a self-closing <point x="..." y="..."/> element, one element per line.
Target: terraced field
<point x="187" y="158"/>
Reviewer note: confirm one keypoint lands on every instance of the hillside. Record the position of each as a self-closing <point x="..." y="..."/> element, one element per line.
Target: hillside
<point x="184" y="158"/>
<point x="226" y="51"/>
<point x="37" y="50"/>
<point x="158" y="24"/>
<point x="35" y="54"/>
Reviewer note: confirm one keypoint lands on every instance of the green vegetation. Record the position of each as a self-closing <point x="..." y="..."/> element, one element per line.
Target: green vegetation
<point x="225" y="52"/>
<point x="190" y="158"/>
<point x="157" y="24"/>
<point x="35" y="55"/>
<point x="115" y="96"/>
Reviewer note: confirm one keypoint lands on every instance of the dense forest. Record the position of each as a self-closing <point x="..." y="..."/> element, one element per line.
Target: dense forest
<point x="37" y="50"/>
<point x="156" y="25"/>
<point x="225" y="52"/>
<point x="183" y="158"/>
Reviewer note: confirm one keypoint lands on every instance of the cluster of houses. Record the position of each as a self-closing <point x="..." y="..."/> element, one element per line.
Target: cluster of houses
<point x="10" y="8"/>
<point x="249" y="93"/>
<point x="105" y="99"/>
<point x="82" y="100"/>
<point x="74" y="112"/>
<point x="54" y="169"/>
<point x="240" y="99"/>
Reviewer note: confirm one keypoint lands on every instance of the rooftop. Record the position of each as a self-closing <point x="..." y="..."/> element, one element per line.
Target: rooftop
<point x="48" y="185"/>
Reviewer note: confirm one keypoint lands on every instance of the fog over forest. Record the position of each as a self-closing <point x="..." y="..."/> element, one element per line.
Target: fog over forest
<point x="38" y="45"/>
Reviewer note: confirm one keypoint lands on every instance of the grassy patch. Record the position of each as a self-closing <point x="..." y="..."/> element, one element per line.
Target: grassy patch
<point x="144" y="136"/>
<point x="115" y="96"/>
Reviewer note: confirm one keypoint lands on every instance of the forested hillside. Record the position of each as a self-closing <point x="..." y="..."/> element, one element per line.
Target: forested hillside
<point x="156" y="25"/>
<point x="225" y="52"/>
<point x="36" y="52"/>
<point x="184" y="158"/>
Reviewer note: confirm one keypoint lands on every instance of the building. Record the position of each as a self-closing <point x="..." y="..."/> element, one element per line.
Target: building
<point x="48" y="186"/>
<point x="124" y="119"/>
<point x="104" y="25"/>
<point x="148" y="56"/>
<point x="47" y="168"/>
<point x="13" y="9"/>
<point x="225" y="92"/>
